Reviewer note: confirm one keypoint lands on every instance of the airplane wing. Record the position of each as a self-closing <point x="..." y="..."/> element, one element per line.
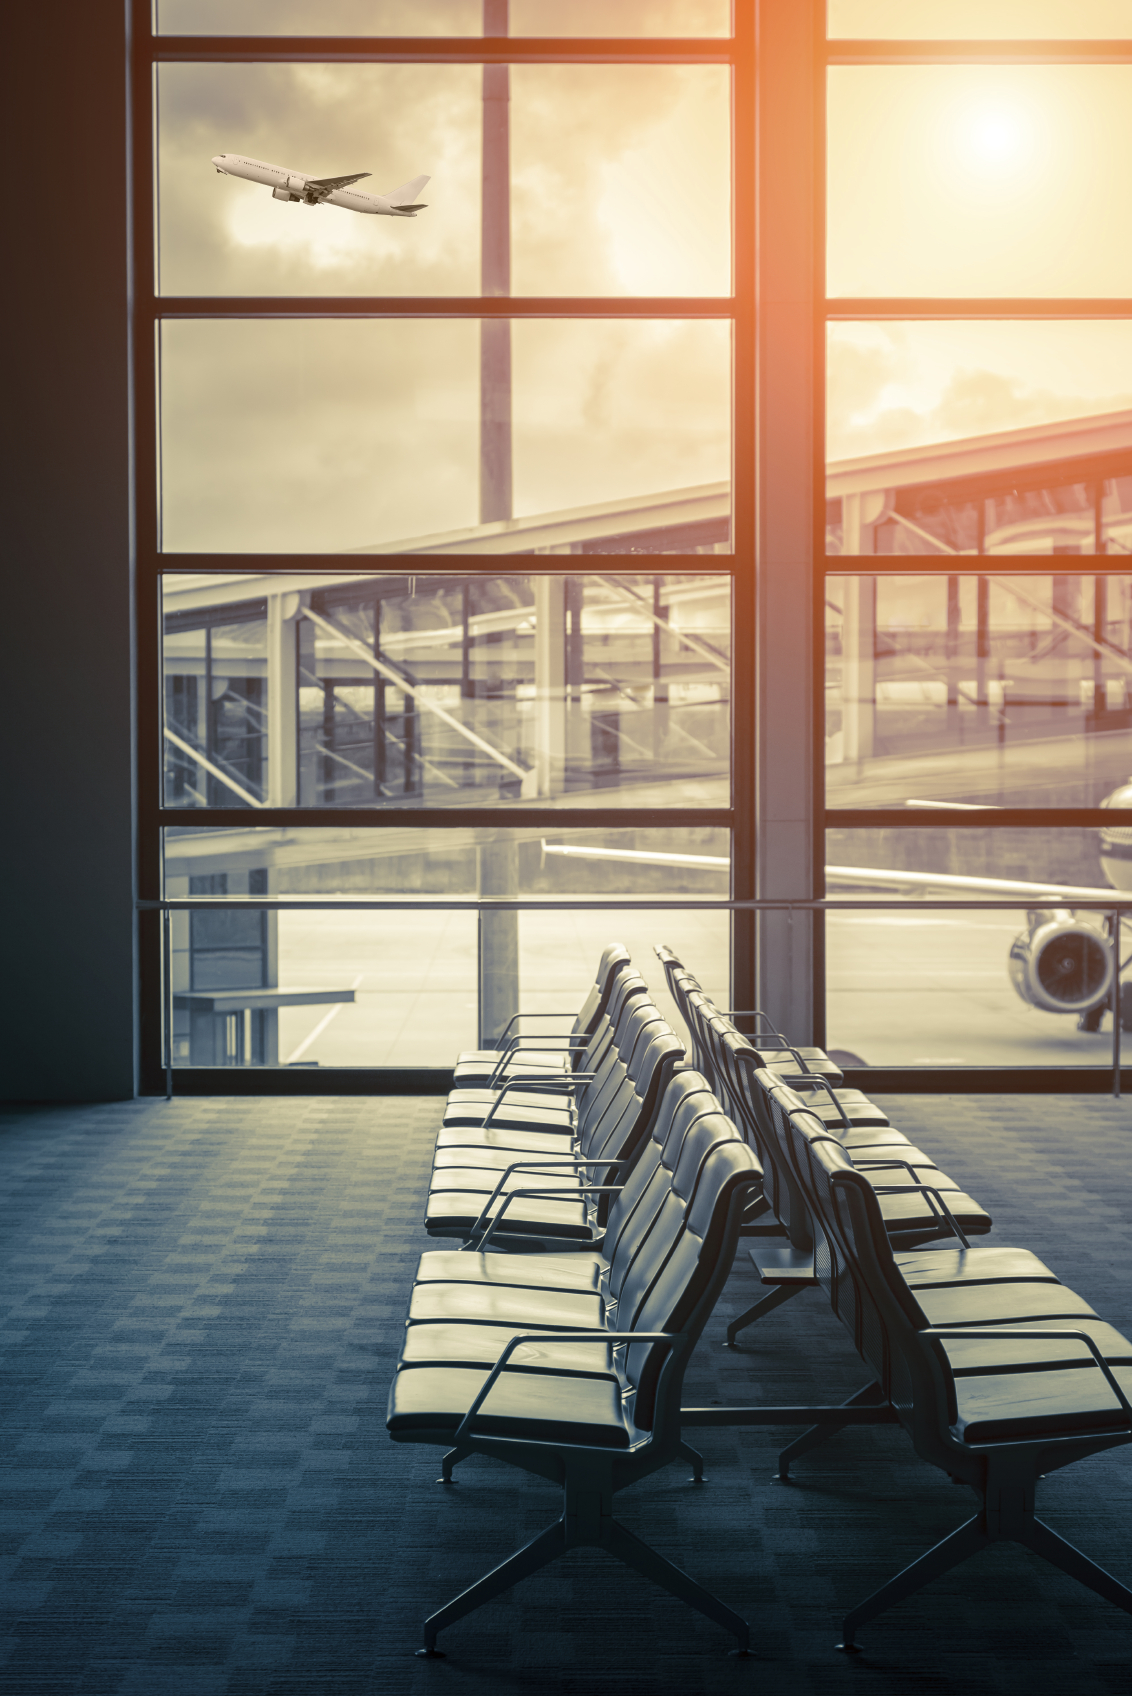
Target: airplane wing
<point x="329" y="184"/>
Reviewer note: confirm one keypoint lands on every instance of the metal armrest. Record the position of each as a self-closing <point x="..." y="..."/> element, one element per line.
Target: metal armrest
<point x="755" y="1013"/>
<point x="928" y="1190"/>
<point x="815" y="1080"/>
<point x="560" y="1086"/>
<point x="515" y="1018"/>
<point x="552" y="1164"/>
<point x="463" y="1429"/>
<point x="500" y="1066"/>
<point x="546" y="1195"/>
<point x="1009" y="1333"/>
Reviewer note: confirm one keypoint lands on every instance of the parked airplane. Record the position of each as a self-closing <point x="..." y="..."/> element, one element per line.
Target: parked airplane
<point x="315" y="191"/>
<point x="1063" y="962"/>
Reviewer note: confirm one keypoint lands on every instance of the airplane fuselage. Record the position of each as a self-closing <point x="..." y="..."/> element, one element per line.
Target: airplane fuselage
<point x="295" y="185"/>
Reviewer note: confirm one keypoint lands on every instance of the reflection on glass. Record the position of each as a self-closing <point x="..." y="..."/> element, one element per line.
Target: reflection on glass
<point x="1033" y="20"/>
<point x="620" y="178"/>
<point x="434" y="690"/>
<point x="408" y="988"/>
<point x="978" y="437"/>
<point x="979" y="179"/>
<point x="364" y="436"/>
<point x="978" y="690"/>
<point x="441" y="17"/>
<point x="907" y="987"/>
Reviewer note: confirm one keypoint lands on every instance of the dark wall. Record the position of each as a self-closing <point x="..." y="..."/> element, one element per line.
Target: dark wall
<point x="65" y="843"/>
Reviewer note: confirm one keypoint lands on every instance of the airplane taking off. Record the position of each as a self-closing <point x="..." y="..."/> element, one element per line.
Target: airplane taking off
<point x="315" y="191"/>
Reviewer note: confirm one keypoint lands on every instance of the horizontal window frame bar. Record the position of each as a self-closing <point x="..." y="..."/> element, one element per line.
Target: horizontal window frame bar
<point x="1076" y="51"/>
<point x="152" y="563"/>
<point x="975" y="565"/>
<point x="428" y="1080"/>
<point x="439" y="50"/>
<point x="473" y="306"/>
<point x="446" y="818"/>
<point x="616" y="904"/>
<point x="870" y="308"/>
<point x="1002" y="818"/>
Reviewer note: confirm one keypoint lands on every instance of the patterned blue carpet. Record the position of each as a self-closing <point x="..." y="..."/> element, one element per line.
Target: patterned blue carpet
<point x="202" y="1302"/>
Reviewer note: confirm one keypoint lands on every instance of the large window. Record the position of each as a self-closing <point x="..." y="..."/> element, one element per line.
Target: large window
<point x="978" y="528"/>
<point x="394" y="785"/>
<point x="787" y="358"/>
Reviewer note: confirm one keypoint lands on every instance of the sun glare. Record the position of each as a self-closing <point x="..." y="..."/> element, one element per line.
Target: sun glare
<point x="994" y="136"/>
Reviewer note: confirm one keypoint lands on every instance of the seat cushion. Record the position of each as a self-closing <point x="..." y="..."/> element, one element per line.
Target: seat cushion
<point x="1016" y="1390"/>
<point x="579" y="1272"/>
<point x="983" y="1264"/>
<point x="440" y="1343"/>
<point x="495" y="1304"/>
<point x="1015" y="1303"/>
<point x="451" y="1212"/>
<point x="915" y="1213"/>
<point x="426" y="1403"/>
<point x="523" y="1142"/>
<point x="511" y="1116"/>
<point x="482" y="1179"/>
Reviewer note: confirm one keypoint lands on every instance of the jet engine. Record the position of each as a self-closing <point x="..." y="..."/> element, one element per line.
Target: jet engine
<point x="284" y="194"/>
<point x="1063" y="964"/>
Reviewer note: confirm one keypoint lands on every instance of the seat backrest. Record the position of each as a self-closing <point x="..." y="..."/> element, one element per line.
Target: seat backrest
<point x="685" y="1103"/>
<point x="623" y="1128"/>
<point x="690" y="1275"/>
<point x="628" y="986"/>
<point x="614" y="959"/>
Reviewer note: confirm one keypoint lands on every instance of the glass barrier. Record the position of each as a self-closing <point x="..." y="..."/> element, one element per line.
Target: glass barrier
<point x="1033" y="20"/>
<point x="395" y="691"/>
<point x="410" y="986"/>
<point x="442" y="17"/>
<point x="619" y="179"/>
<point x="913" y="986"/>
<point x="979" y="438"/>
<point x="364" y="436"/>
<point x="978" y="691"/>
<point x="978" y="179"/>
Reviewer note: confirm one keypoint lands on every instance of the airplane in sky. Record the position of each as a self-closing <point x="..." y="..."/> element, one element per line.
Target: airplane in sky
<point x="286" y="184"/>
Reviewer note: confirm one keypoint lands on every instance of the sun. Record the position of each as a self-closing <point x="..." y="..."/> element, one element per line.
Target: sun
<point x="994" y="137"/>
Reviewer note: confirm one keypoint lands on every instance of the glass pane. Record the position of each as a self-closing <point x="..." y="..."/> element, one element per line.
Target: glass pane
<point x="978" y="691"/>
<point x="319" y="17"/>
<point x="1032" y="20"/>
<point x="620" y="179"/>
<point x="399" y="988"/>
<point x="355" y="435"/>
<point x="441" y="17"/>
<point x="446" y="690"/>
<point x="979" y="179"/>
<point x="979" y="438"/>
<point x="909" y="987"/>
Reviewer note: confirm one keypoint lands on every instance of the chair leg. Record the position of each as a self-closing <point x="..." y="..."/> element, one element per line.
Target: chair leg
<point x="628" y="1548"/>
<point x="540" y="1551"/>
<point x="695" y="1460"/>
<point x="959" y="1546"/>
<point x="766" y="1304"/>
<point x="1059" y="1553"/>
<point x="817" y="1434"/>
<point x="451" y="1459"/>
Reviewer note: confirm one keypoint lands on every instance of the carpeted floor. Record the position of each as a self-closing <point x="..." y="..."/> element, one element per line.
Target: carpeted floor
<point x="202" y="1307"/>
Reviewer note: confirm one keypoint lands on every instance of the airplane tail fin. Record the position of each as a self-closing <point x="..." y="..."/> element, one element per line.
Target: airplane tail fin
<point x="407" y="193"/>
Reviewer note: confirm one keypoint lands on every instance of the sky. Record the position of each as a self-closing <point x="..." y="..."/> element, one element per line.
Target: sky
<point x="441" y="17"/>
<point x="943" y="180"/>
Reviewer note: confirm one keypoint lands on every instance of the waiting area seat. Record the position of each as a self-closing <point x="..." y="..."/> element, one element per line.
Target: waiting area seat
<point x="600" y="1203"/>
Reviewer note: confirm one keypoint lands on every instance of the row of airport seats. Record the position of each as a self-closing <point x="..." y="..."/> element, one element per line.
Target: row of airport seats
<point x="998" y="1373"/>
<point x="599" y="1191"/>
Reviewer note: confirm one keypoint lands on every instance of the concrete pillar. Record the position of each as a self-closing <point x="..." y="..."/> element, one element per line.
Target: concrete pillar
<point x="282" y="701"/>
<point x="858" y="668"/>
<point x="550" y="682"/>
<point x="497" y="862"/>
